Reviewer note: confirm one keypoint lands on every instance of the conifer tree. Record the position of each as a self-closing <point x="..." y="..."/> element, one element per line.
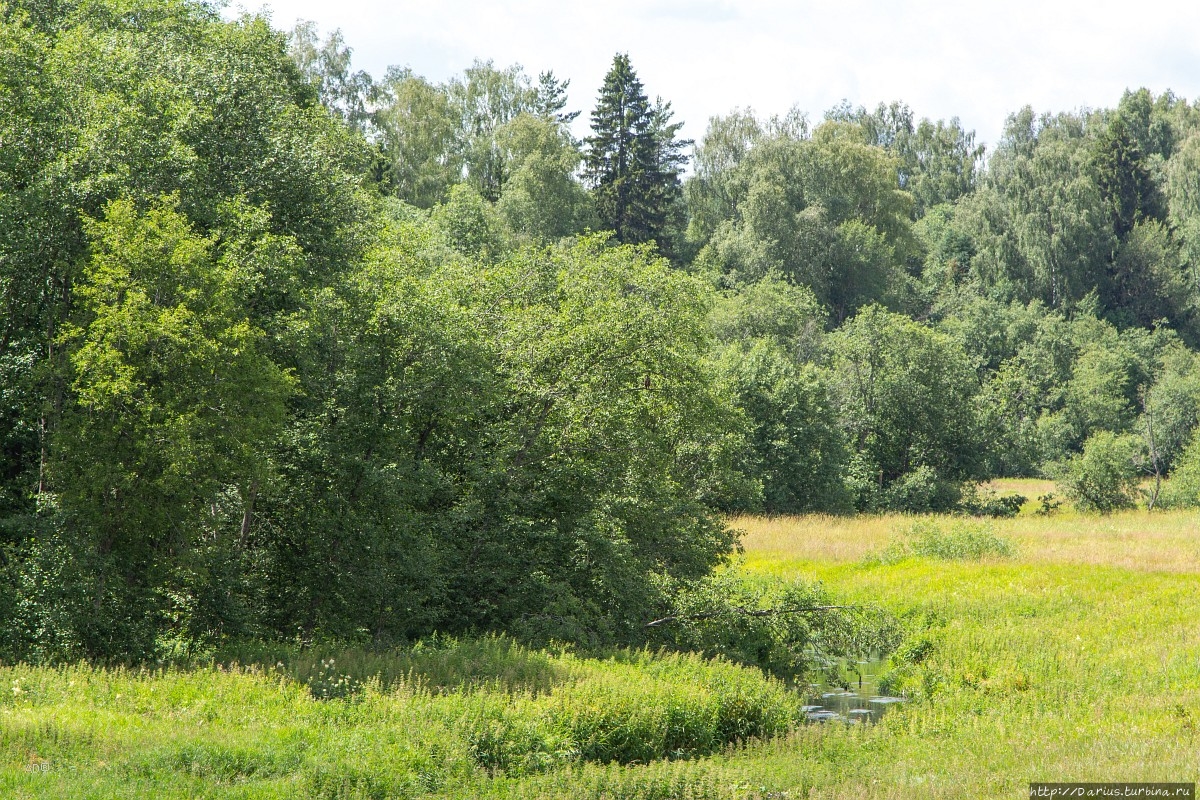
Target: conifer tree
<point x="633" y="158"/>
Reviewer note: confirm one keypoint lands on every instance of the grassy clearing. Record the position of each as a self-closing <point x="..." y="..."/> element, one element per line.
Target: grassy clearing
<point x="1030" y="488"/>
<point x="1077" y="658"/>
<point x="1159" y="541"/>
<point x="1045" y="672"/>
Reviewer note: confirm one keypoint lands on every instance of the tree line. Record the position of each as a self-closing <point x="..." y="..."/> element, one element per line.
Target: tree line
<point x="289" y="351"/>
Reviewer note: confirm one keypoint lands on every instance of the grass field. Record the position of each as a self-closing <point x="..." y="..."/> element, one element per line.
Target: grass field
<point x="1166" y="541"/>
<point x="1075" y="659"/>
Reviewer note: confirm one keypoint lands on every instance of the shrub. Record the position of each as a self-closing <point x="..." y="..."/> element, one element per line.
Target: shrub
<point x="987" y="503"/>
<point x="1104" y="476"/>
<point x="962" y="540"/>
<point x="921" y="490"/>
<point x="1048" y="503"/>
<point x="1183" y="487"/>
<point x="643" y="706"/>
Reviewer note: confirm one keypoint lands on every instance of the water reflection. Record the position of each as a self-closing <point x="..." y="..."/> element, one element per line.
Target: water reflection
<point x="855" y="701"/>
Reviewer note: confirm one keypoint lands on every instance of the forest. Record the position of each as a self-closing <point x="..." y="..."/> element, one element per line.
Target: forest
<point x="293" y="353"/>
<point x="379" y="437"/>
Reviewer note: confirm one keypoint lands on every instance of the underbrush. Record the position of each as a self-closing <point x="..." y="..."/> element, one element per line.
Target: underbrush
<point x="337" y="720"/>
<point x="947" y="540"/>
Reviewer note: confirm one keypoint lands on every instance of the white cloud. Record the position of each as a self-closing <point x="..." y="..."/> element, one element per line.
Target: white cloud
<point x="978" y="62"/>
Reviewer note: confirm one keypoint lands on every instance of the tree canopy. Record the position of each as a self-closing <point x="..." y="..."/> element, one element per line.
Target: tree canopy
<point x="289" y="350"/>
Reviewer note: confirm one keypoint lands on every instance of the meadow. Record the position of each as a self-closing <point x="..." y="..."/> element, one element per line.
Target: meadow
<point x="1076" y="657"/>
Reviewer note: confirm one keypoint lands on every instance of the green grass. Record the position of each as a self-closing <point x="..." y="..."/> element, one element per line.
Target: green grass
<point x="1020" y="670"/>
<point x="253" y="732"/>
<point x="1077" y="658"/>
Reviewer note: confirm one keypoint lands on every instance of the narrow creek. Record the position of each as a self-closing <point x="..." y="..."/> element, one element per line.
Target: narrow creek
<point x="855" y="700"/>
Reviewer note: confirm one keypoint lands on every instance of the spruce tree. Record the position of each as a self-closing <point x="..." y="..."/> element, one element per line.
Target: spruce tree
<point x="633" y="159"/>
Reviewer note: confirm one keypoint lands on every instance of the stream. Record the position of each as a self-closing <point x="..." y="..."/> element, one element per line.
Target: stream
<point x="857" y="701"/>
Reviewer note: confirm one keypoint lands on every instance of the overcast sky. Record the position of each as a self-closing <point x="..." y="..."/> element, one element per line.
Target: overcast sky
<point x="975" y="61"/>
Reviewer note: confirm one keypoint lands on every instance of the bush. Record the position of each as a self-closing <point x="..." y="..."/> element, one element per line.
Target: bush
<point x="631" y="706"/>
<point x="1104" y="476"/>
<point x="1183" y="486"/>
<point x="1048" y="503"/>
<point x="962" y="540"/>
<point x="645" y="706"/>
<point x="987" y="503"/>
<point x="921" y="490"/>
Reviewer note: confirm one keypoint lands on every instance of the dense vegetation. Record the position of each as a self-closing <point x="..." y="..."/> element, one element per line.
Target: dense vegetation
<point x="1074" y="659"/>
<point x="288" y="352"/>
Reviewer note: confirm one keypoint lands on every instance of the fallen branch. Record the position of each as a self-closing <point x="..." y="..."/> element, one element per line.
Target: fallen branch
<point x="766" y="612"/>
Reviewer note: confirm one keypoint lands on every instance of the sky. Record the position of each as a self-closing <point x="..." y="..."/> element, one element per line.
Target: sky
<point x="979" y="62"/>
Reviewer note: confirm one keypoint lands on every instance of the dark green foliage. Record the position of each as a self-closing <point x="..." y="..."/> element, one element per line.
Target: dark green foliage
<point x="1147" y="284"/>
<point x="795" y="447"/>
<point x="905" y="397"/>
<point x="288" y="352"/>
<point x="243" y="398"/>
<point x="473" y="442"/>
<point x="791" y="629"/>
<point x="551" y="99"/>
<point x="1057" y="382"/>
<point x="1170" y="405"/>
<point x="1040" y="227"/>
<point x="1183" y="488"/>
<point x="1072" y="206"/>
<point x="983" y="502"/>
<point x="633" y="158"/>
<point x="1047" y="504"/>
<point x="131" y="422"/>
<point x="1124" y="179"/>
<point x="172" y="402"/>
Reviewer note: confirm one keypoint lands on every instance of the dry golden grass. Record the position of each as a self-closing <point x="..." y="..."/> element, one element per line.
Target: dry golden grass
<point x="1159" y="541"/>
<point x="816" y="537"/>
<point x="1032" y="488"/>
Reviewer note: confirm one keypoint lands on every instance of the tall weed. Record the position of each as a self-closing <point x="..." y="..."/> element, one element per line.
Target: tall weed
<point x="956" y="540"/>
